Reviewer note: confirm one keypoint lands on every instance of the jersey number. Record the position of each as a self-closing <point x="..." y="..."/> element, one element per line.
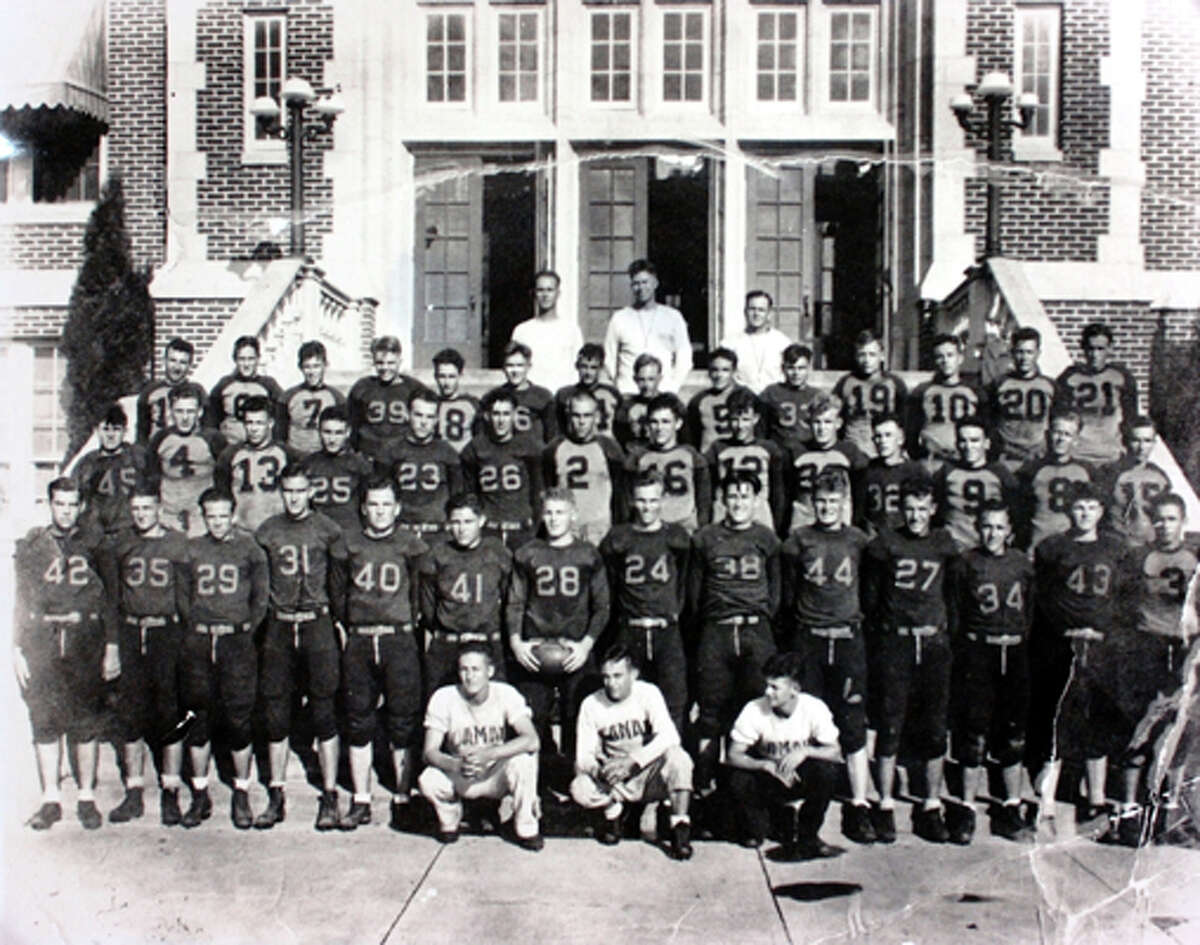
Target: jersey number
<point x="989" y="598"/>
<point x="495" y="478"/>
<point x="843" y="574"/>
<point x="909" y="573"/>
<point x="389" y="411"/>
<point x="293" y="560"/>
<point x="181" y="463"/>
<point x="744" y="567"/>
<point x="390" y="577"/>
<point x="418" y="476"/>
<point x="637" y="573"/>
<point x="270" y="470"/>
<point x="461" y="590"/>
<point x="139" y="571"/>
<point x="335" y="491"/>
<point x="575" y="472"/>
<point x="73" y="570"/>
<point x="127" y="478"/>
<point x="1096" y="585"/>
<point x="454" y="424"/>
<point x="216" y="579"/>
<point x="563" y="582"/>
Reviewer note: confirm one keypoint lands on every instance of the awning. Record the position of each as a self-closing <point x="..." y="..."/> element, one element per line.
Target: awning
<point x="53" y="55"/>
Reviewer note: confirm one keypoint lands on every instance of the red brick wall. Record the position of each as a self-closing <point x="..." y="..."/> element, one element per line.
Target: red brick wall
<point x="1170" y="225"/>
<point x="42" y="245"/>
<point x="237" y="201"/>
<point x="137" y="141"/>
<point x="1054" y="217"/>
<point x="197" y="320"/>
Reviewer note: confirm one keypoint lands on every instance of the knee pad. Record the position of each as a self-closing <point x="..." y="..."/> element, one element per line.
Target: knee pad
<point x="887" y="741"/>
<point x="971" y="750"/>
<point x="277" y="711"/>
<point x="324" y="719"/>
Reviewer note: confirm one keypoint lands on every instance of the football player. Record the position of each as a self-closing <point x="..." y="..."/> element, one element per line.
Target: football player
<point x="826" y="451"/>
<point x="107" y="475"/>
<point x="786" y="404"/>
<point x="458" y="413"/>
<point x="1018" y="404"/>
<point x="708" y="411"/>
<point x="378" y="404"/>
<point x="183" y="459"/>
<point x="741" y="449"/>
<point x="250" y="469"/>
<point x="1132" y="483"/>
<point x="629" y="424"/>
<point x="590" y="365"/>
<point x="536" y="419"/>
<point x="302" y="405"/>
<point x="153" y="403"/>
<point x="868" y="390"/>
<point x="337" y="472"/>
<point x="1045" y="484"/>
<point x="961" y="486"/>
<point x="427" y="470"/>
<point x="231" y="391"/>
<point x="591" y="466"/>
<point x="936" y="406"/>
<point x="1104" y="393"/>
<point x="687" y="484"/>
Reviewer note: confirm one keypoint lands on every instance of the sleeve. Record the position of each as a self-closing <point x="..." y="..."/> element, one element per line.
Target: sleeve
<point x="683" y="352"/>
<point x="824" y="732"/>
<point x="775" y="486"/>
<point x="25" y="590"/>
<point x="560" y="406"/>
<point x="914" y="418"/>
<point x="1064" y="396"/>
<point x="874" y="559"/>
<point x="108" y="607"/>
<point x="549" y="473"/>
<point x="702" y="482"/>
<point x="1129" y="399"/>
<point x="339" y="585"/>
<point x="412" y="563"/>
<point x="153" y="460"/>
<point x="620" y="481"/>
<point x="283" y="420"/>
<point x="665" y="735"/>
<point x="183" y="591"/>
<point x="354" y="412"/>
<point x="587" y="741"/>
<point x="455" y="480"/>
<point x="1023" y="506"/>
<point x="437" y="717"/>
<point x="427" y="590"/>
<point x="223" y="471"/>
<point x="745" y="729"/>
<point x="789" y="567"/>
<point x="470" y="468"/>
<point x="536" y="485"/>
<point x="259" y="585"/>
<point x="901" y="393"/>
<point x="612" y="348"/>
<point x="858" y="485"/>
<point x="515" y="601"/>
<point x="598" y="603"/>
<point x="216" y="404"/>
<point x="953" y="562"/>
<point x="956" y="582"/>
<point x="550" y="419"/>
<point x="143" y="416"/>
<point x="939" y="497"/>
<point x="683" y="561"/>
<point x="773" y="581"/>
<point x="695" y="592"/>
<point x="693" y="427"/>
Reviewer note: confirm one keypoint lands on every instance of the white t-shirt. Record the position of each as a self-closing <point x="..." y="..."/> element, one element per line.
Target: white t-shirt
<point x="760" y="357"/>
<point x="467" y="725"/>
<point x="555" y="343"/>
<point x="656" y="329"/>
<point x="639" y="726"/>
<point x="773" y="736"/>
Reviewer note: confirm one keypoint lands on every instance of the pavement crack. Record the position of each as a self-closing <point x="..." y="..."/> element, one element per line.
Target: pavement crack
<point x="411" y="896"/>
<point x="762" y="864"/>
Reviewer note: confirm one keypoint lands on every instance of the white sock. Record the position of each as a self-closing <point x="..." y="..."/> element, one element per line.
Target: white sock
<point x="135" y="782"/>
<point x="87" y="794"/>
<point x="241" y="784"/>
<point x="201" y="783"/>
<point x="888" y="803"/>
<point x="680" y="819"/>
<point x="932" y="803"/>
<point x="1012" y="802"/>
<point x="613" y="810"/>
<point x="366" y="799"/>
<point x="171" y="782"/>
<point x="51" y="795"/>
<point x="277" y="784"/>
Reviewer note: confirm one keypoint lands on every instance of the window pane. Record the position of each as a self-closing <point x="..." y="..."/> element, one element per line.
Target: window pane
<point x="621" y="26"/>
<point x="693" y="88"/>
<point x="839" y="56"/>
<point x="766" y="87"/>
<point x="435" y="28"/>
<point x="508" y="28"/>
<point x="787" y="88"/>
<point x="528" y="59"/>
<point x="766" y="56"/>
<point x="508" y="57"/>
<point x="672" y="28"/>
<point x="839" y="26"/>
<point x="528" y="26"/>
<point x="695" y="26"/>
<point x="599" y="88"/>
<point x="508" y="88"/>
<point x="434" y="89"/>
<point x="599" y="57"/>
<point x="456" y="58"/>
<point x="787" y="56"/>
<point x="766" y="26"/>
<point x="529" y="88"/>
<point x="671" y="57"/>
<point x="621" y="56"/>
<point x="456" y="27"/>
<point x="435" y="61"/>
<point x="787" y="26"/>
<point x="671" y="88"/>
<point x="694" y="59"/>
<point x="860" y="58"/>
<point x="862" y="26"/>
<point x="621" y="88"/>
<point x="599" y="26"/>
<point x="456" y="88"/>
<point x="860" y="88"/>
<point x="837" y="88"/>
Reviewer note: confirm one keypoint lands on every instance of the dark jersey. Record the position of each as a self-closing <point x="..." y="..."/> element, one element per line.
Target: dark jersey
<point x="808" y="465"/>
<point x="1077" y="581"/>
<point x="536" y="417"/>
<point x="1130" y="487"/>
<point x="462" y="589"/>
<point x="557" y="592"/>
<point x="106" y="481"/>
<point x="299" y="552"/>
<point x="1045" y="487"/>
<point x="376" y="583"/>
<point x="251" y="473"/>
<point x="230" y="393"/>
<point x="1107" y="400"/>
<point x="708" y="416"/>
<point x="1160" y="583"/>
<point x="608" y="400"/>
<point x="933" y="410"/>
<point x="785" y="410"/>
<point x="904" y="579"/>
<point x="62" y="574"/>
<point x="300" y="415"/>
<point x="426" y="474"/>
<point x="379" y="411"/>
<point x="506" y="475"/>
<point x="458" y="419"/>
<point x="1019" y="408"/>
<point x="994" y="593"/>
<point x="225" y="581"/>
<point x="629" y="422"/>
<point x="863" y="399"/>
<point x="764" y="458"/>
<point x="960" y="490"/>
<point x="647" y="570"/>
<point x="734" y="572"/>
<point x="184" y="465"/>
<point x="880" y="507"/>
<point x="687" y="482"/>
<point x="821" y="567"/>
<point x="335" y="481"/>
<point x="154" y="406"/>
<point x="150" y="572"/>
<point x="594" y="472"/>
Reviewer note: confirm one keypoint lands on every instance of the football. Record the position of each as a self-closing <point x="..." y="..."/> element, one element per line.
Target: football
<point x="551" y="654"/>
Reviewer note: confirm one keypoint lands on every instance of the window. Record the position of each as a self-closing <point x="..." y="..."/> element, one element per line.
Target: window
<point x="778" y="56"/>
<point x="683" y="56"/>
<point x="446" y="57"/>
<point x="1036" y="30"/>
<point x="519" y="57"/>
<point x="60" y="178"/>
<point x="612" y="57"/>
<point x="49" y="414"/>
<point x="266" y="66"/>
<point x="852" y="55"/>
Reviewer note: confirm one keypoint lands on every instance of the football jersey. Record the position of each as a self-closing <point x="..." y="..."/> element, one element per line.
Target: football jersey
<point x="808" y="465"/>
<point x="821" y="575"/>
<point x="785" y="410"/>
<point x="708" y="416"/>
<point x="608" y="400"/>
<point x="62" y="573"/>
<point x="863" y="399"/>
<point x="766" y="460"/>
<point x="149" y="571"/>
<point x="379" y="411"/>
<point x="594" y="472"/>
<point x="1019" y="408"/>
<point x="1077" y="581"/>
<point x="300" y="416"/>
<point x="647" y="570"/>
<point x="557" y="592"/>
<point x="1107" y="400"/>
<point x="959" y="491"/>
<point x="766" y="734"/>
<point x="376" y="583"/>
<point x="607" y="729"/>
<point x="427" y="475"/>
<point x="734" y="572"/>
<point x="461" y="590"/>
<point x="1045" y="486"/>
<point x="1131" y="487"/>
<point x="458" y="419"/>
<point x="994" y="593"/>
<point x="507" y="477"/>
<point x="880" y="506"/>
<point x="1162" y="581"/>
<point x="228" y="396"/>
<point x="106" y="481"/>
<point x="251" y="473"/>
<point x="629" y="422"/>
<point x="336" y="479"/>
<point x="904" y="578"/>
<point x="470" y="725"/>
<point x="184" y="465"/>
<point x="154" y="406"/>
<point x="933" y="410"/>
<point x="687" y="483"/>
<point x="536" y="417"/>
<point x="299" y="552"/>
<point x="227" y="580"/>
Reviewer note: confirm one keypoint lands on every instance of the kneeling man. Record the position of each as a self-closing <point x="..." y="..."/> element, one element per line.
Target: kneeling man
<point x="480" y="743"/>
<point x="627" y="749"/>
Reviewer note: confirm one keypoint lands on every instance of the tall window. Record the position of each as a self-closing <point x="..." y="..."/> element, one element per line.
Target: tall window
<point x="778" y="56"/>
<point x="266" y="64"/>
<point x="683" y="56"/>
<point x="49" y="415"/>
<point x="852" y="55"/>
<point x="446" y="57"/>
<point x="612" y="57"/>
<point x="519" y="57"/>
<point x="1036" y="29"/>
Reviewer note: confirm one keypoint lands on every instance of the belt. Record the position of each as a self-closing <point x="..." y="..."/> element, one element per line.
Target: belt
<point x="649" y="624"/>
<point x="1002" y="640"/>
<point x="421" y="527"/>
<point x="62" y="622"/>
<point x="840" y="632"/>
<point x="737" y="621"/>
<point x="377" y="630"/>
<point x="917" y="633"/>
<point x="297" y="617"/>
<point x="467" y="636"/>
<point x="216" y="631"/>
<point x="1080" y="637"/>
<point x="146" y="623"/>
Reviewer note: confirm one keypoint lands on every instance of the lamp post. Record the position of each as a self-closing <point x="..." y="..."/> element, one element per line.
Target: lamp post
<point x="299" y="98"/>
<point x="995" y="88"/>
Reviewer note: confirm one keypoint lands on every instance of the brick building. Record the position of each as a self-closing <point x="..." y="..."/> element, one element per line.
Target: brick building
<point x="802" y="147"/>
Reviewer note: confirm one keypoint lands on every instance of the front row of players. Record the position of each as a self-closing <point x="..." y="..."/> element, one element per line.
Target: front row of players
<point x="901" y="633"/>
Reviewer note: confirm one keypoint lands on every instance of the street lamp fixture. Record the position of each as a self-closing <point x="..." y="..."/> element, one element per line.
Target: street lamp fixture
<point x="308" y="117"/>
<point x="995" y="88"/>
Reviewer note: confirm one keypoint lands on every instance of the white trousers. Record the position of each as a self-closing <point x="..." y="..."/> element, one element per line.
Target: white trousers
<point x="515" y="779"/>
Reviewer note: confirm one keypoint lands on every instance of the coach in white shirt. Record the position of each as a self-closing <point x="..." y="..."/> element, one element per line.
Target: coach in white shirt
<point x="553" y="340"/>
<point x="646" y="327"/>
<point x="759" y="346"/>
